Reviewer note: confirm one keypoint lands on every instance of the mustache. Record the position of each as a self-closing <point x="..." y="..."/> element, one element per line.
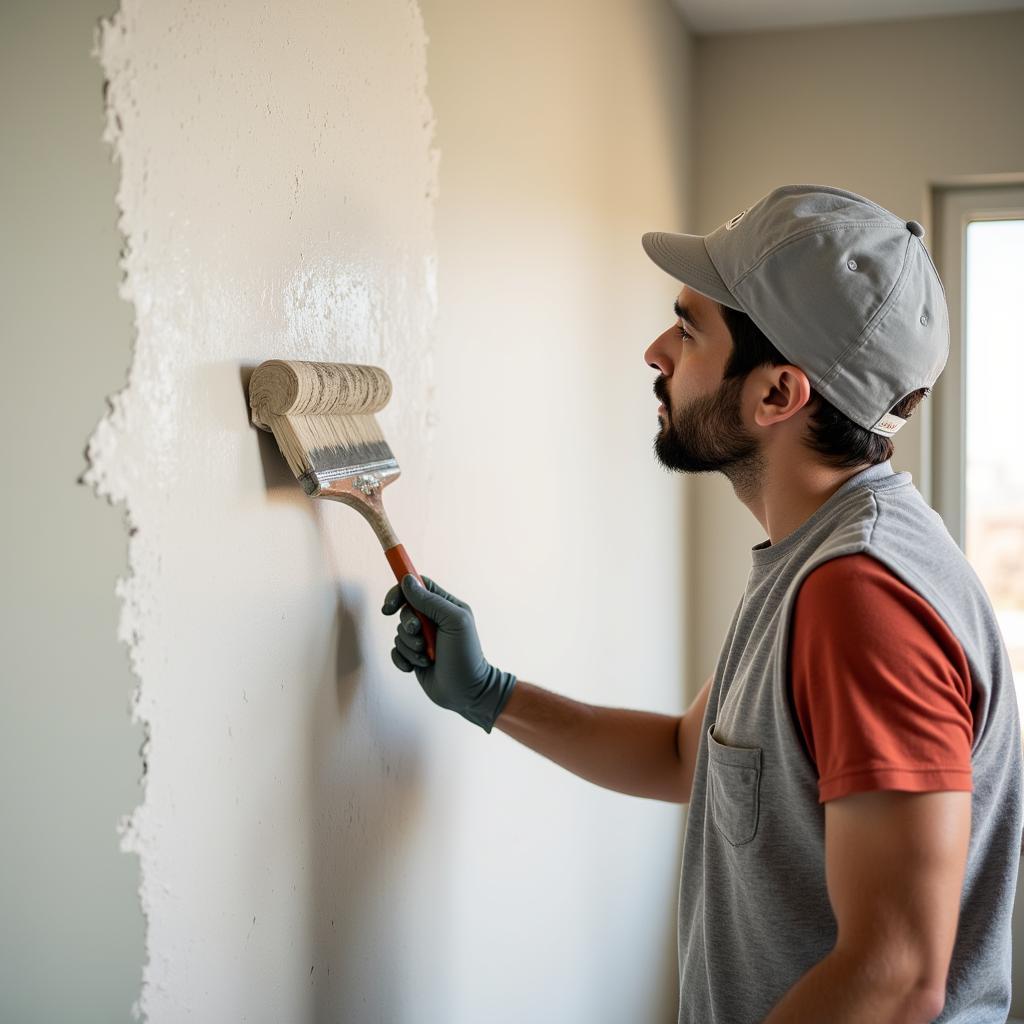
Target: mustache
<point x="661" y="390"/>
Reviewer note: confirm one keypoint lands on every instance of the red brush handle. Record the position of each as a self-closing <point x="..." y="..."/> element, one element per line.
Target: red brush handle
<point x="401" y="566"/>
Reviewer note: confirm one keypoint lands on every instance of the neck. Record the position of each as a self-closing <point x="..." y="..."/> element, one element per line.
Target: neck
<point x="787" y="493"/>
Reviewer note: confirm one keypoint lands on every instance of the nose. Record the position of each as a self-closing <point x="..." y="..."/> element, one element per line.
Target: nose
<point x="659" y="354"/>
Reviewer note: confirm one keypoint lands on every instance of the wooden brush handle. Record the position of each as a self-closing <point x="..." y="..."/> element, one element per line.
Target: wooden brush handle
<point x="401" y="565"/>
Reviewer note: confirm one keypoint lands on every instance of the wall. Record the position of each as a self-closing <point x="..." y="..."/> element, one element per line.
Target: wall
<point x="317" y="840"/>
<point x="71" y="939"/>
<point x="881" y="109"/>
<point x="562" y="130"/>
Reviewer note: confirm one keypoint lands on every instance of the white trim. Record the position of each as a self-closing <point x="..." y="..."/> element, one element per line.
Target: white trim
<point x="953" y="207"/>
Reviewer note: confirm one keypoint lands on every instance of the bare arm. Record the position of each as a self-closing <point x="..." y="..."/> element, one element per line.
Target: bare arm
<point x="635" y="752"/>
<point x="894" y="865"/>
<point x="690" y="736"/>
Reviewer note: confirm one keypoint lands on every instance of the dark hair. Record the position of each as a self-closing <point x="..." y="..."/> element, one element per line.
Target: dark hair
<point x="840" y="441"/>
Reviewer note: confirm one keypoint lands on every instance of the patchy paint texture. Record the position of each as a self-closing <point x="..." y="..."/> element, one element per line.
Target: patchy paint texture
<point x="277" y="191"/>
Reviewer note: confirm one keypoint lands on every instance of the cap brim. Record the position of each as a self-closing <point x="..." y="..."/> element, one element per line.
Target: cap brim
<point x="686" y="258"/>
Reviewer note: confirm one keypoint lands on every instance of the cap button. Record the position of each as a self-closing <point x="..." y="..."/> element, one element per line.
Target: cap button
<point x="915" y="229"/>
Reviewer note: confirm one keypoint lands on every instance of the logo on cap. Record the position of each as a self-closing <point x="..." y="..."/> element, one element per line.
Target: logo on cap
<point x="731" y="224"/>
<point x="888" y="424"/>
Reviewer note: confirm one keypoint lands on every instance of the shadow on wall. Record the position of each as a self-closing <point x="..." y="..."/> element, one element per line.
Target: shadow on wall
<point x="364" y="794"/>
<point x="364" y="815"/>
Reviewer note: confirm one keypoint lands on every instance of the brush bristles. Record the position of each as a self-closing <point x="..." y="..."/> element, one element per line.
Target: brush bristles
<point x="318" y="443"/>
<point x="322" y="413"/>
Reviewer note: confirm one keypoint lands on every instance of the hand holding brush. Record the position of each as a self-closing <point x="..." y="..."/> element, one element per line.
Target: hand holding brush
<point x="460" y="679"/>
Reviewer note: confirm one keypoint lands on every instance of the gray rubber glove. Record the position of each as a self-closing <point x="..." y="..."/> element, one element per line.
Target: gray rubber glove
<point x="460" y="678"/>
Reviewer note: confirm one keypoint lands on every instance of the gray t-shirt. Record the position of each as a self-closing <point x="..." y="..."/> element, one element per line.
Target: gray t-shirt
<point x="754" y="912"/>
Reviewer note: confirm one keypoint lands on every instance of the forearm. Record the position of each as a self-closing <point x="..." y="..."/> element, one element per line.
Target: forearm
<point x="631" y="752"/>
<point x="841" y="991"/>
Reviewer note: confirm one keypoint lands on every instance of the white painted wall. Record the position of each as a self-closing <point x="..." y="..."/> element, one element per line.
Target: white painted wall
<point x="317" y="840"/>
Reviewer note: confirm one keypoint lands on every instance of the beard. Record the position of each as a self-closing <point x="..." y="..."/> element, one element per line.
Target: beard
<point x="707" y="436"/>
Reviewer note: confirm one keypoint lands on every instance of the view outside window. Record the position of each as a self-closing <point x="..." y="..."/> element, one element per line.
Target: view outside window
<point x="994" y="366"/>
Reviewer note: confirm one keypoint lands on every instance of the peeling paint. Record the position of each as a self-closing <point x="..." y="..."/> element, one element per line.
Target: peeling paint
<point x="276" y="200"/>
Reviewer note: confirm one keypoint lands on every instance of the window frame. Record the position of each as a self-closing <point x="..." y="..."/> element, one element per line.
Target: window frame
<point x="954" y="206"/>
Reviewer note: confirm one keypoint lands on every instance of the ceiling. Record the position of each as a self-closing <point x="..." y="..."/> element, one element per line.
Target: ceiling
<point x="705" y="17"/>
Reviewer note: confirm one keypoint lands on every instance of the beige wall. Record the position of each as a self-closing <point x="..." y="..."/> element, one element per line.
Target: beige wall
<point x="562" y="130"/>
<point x="881" y="109"/>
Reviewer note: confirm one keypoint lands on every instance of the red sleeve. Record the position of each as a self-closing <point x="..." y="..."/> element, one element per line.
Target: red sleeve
<point x="881" y="688"/>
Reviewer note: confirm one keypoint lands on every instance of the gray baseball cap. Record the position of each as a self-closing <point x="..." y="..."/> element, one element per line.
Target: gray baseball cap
<point x="843" y="288"/>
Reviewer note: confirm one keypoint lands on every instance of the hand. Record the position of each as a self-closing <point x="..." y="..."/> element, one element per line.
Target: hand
<point x="459" y="678"/>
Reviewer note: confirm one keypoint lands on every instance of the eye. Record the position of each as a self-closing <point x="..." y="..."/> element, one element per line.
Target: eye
<point x="683" y="332"/>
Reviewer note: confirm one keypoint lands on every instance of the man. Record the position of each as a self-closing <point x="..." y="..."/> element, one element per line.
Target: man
<point x="853" y="766"/>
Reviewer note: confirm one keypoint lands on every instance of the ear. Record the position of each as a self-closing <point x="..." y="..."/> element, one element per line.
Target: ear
<point x="786" y="390"/>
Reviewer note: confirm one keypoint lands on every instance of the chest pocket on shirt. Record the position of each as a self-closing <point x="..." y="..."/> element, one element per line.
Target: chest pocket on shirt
<point x="734" y="785"/>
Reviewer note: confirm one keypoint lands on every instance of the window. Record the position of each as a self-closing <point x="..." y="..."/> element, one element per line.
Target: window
<point x="977" y="429"/>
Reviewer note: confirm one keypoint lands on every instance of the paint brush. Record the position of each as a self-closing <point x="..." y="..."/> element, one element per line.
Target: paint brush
<point x="321" y="415"/>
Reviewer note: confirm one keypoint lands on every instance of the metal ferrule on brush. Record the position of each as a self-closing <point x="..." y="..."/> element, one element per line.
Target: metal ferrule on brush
<point x="369" y="477"/>
<point x="369" y="466"/>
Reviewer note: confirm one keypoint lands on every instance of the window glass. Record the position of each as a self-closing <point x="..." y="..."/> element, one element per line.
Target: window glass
<point x="994" y="368"/>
